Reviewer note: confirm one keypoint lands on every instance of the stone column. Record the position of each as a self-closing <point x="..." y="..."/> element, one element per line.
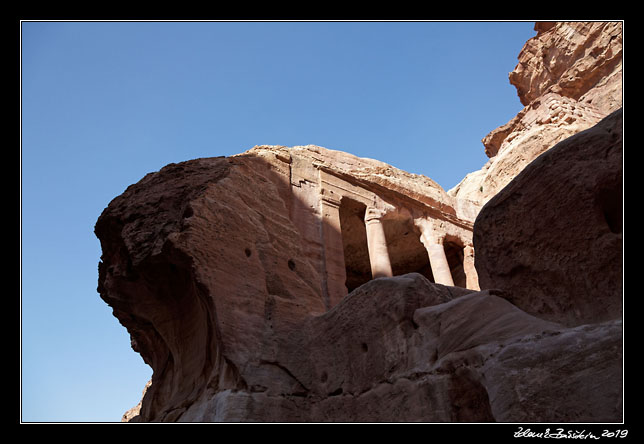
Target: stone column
<point x="377" y="244"/>
<point x="471" y="277"/>
<point x="437" y="259"/>
<point x="336" y="273"/>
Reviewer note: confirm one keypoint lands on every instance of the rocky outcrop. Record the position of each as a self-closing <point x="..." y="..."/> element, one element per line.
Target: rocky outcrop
<point x="569" y="77"/>
<point x="578" y="60"/>
<point x="133" y="413"/>
<point x="201" y="264"/>
<point x="308" y="285"/>
<point x="404" y="349"/>
<point x="552" y="238"/>
<point x="214" y="264"/>
<point x="206" y="264"/>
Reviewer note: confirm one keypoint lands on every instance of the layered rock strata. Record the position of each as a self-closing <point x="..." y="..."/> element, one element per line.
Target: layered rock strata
<point x="569" y="77"/>
<point x="579" y="60"/>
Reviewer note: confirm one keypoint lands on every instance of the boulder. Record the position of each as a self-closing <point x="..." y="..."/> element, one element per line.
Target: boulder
<point x="552" y="238"/>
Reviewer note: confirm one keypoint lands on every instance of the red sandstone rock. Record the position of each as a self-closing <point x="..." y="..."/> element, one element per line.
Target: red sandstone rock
<point x="571" y="59"/>
<point x="231" y="274"/>
<point x="569" y="77"/>
<point x="213" y="264"/>
<point x="206" y="264"/>
<point x="552" y="238"/>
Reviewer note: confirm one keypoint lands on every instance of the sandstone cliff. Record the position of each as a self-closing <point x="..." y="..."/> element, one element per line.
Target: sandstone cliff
<point x="308" y="285"/>
<point x="204" y="267"/>
<point x="215" y="266"/>
<point x="569" y="77"/>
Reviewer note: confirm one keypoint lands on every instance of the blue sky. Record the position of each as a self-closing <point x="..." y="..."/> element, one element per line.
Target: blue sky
<point x="104" y="103"/>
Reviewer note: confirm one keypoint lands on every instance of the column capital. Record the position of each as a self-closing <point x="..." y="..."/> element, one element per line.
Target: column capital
<point x="373" y="215"/>
<point x="431" y="237"/>
<point x="430" y="234"/>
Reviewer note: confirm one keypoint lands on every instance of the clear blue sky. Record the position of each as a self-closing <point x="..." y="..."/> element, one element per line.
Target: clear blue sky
<point x="104" y="103"/>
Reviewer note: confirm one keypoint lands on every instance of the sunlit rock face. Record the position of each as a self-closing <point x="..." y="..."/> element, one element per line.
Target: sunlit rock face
<point x="568" y="77"/>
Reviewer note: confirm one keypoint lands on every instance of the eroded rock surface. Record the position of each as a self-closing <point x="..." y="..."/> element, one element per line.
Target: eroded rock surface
<point x="214" y="264"/>
<point x="205" y="264"/>
<point x="579" y="60"/>
<point x="404" y="349"/>
<point x="553" y="237"/>
<point x="569" y="77"/>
